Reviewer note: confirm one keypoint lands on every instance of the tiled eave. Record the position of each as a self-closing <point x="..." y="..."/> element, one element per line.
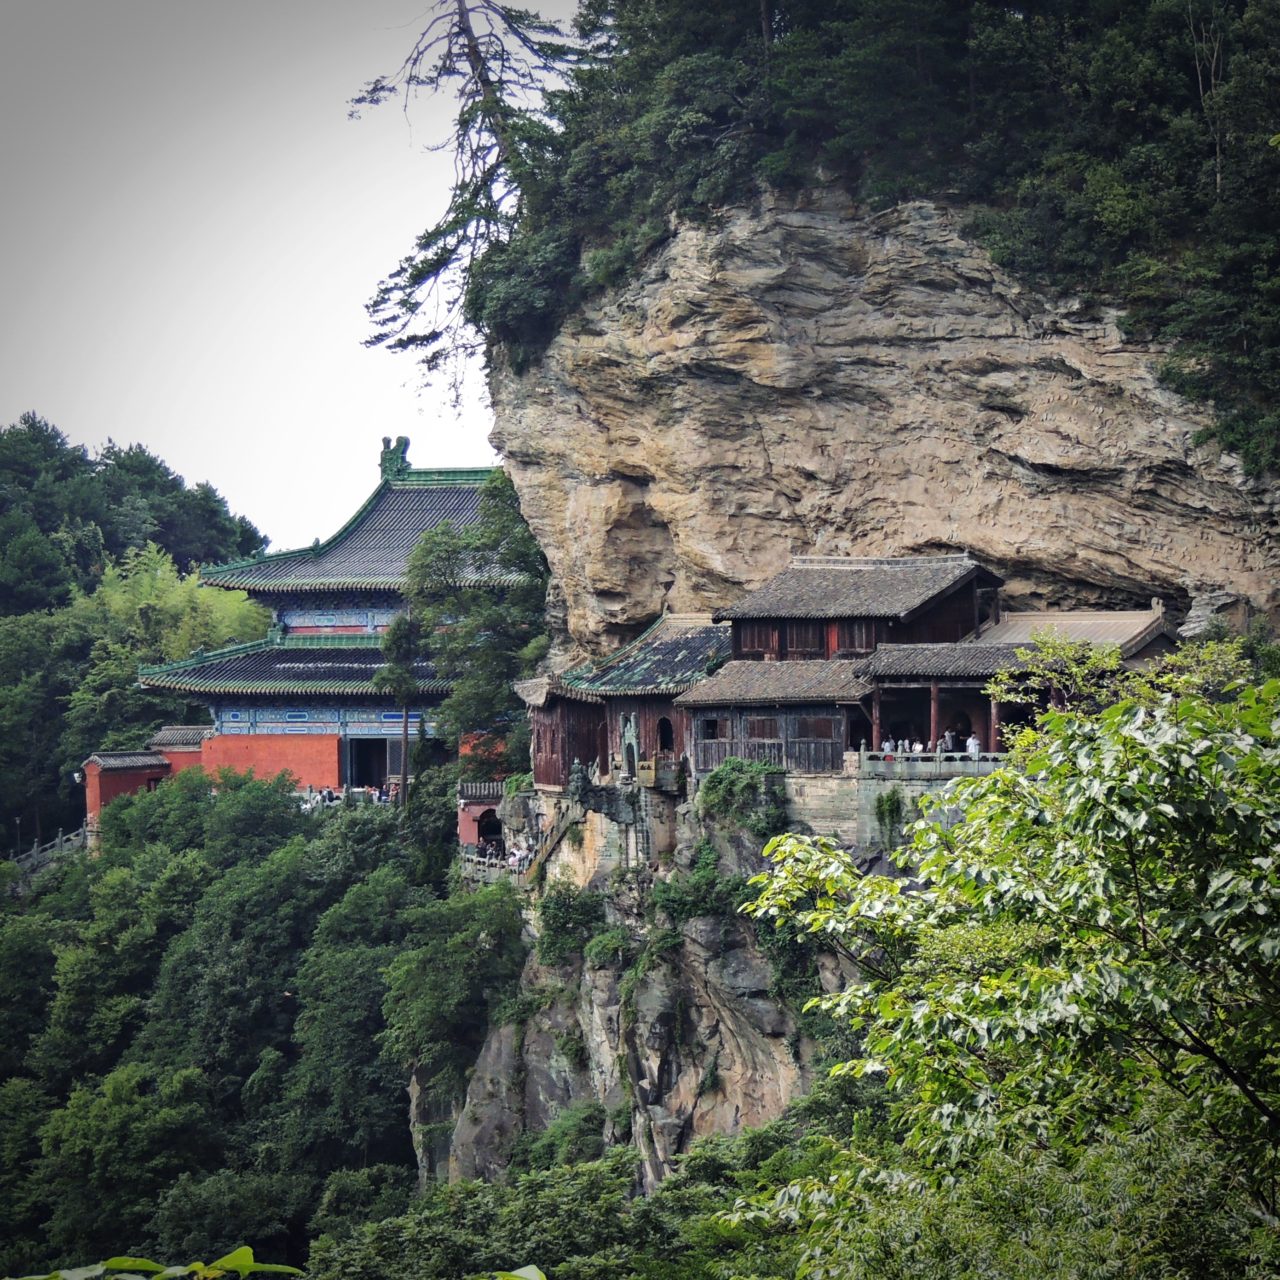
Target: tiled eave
<point x="250" y="669"/>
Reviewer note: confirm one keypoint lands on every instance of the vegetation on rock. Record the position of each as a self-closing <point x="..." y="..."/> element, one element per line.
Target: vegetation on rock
<point x="1117" y="153"/>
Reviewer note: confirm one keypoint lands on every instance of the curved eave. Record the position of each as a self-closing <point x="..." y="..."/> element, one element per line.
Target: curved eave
<point x="301" y="688"/>
<point x="291" y="586"/>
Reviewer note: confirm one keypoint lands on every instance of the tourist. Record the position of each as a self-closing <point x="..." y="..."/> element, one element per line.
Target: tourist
<point x="917" y="746"/>
<point x="973" y="746"/>
<point x="886" y="747"/>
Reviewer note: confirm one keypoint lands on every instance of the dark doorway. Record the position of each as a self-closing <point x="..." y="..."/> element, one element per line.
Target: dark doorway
<point x="368" y="762"/>
<point x="602" y="748"/>
<point x="631" y="759"/>
<point x="666" y="735"/>
<point x="489" y="826"/>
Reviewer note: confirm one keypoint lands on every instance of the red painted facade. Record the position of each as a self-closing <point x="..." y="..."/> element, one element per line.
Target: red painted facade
<point x="312" y="758"/>
<point x="102" y="786"/>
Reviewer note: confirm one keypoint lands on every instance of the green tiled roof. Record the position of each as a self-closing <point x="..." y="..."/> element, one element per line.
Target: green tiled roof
<point x="318" y="665"/>
<point x="371" y="550"/>
<point x="672" y="655"/>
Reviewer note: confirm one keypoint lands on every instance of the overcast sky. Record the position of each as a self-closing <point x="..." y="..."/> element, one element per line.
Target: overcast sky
<point x="189" y="229"/>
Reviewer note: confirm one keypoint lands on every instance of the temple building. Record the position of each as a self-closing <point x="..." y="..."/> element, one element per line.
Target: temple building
<point x="303" y="698"/>
<point x="838" y="656"/>
<point x="618" y="717"/>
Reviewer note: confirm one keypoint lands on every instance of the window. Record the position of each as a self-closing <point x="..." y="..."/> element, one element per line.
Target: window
<point x="856" y="636"/>
<point x="666" y="735"/>
<point x="821" y="727"/>
<point x="755" y="637"/>
<point x="762" y="727"/>
<point x="711" y="730"/>
<point x="805" y="640"/>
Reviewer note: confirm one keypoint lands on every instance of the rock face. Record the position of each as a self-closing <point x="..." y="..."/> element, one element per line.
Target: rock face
<point x="797" y="377"/>
<point x="682" y="1039"/>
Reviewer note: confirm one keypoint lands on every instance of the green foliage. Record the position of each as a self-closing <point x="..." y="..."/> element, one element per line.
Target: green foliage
<point x="441" y="993"/>
<point x="238" y="1262"/>
<point x="701" y="891"/>
<point x="567" y="917"/>
<point x="198" y="1055"/>
<point x="574" y="1136"/>
<point x="891" y="805"/>
<point x="1101" y="926"/>
<point x="1148" y="1204"/>
<point x="581" y="1220"/>
<point x="610" y="949"/>
<point x="479" y="634"/>
<point x="516" y="783"/>
<point x="68" y="680"/>
<point x="64" y="516"/>
<point x="745" y="793"/>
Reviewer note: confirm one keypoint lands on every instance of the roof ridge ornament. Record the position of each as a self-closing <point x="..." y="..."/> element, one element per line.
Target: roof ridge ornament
<point x="394" y="461"/>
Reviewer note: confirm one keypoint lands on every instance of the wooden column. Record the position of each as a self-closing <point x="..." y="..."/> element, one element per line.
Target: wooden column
<point x="875" y="719"/>
<point x="995" y="726"/>
<point x="933" y="714"/>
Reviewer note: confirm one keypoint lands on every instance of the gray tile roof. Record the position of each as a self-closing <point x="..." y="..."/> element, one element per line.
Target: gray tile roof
<point x="745" y="683"/>
<point x="108" y="761"/>
<point x="319" y="665"/>
<point x="180" y="735"/>
<point x="1131" y="629"/>
<point x="850" y="587"/>
<point x="963" y="661"/>
<point x="371" y="550"/>
<point x="673" y="654"/>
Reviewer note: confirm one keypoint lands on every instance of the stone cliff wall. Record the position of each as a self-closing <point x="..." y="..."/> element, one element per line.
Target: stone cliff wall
<point x="799" y="377"/>
<point x="683" y="1038"/>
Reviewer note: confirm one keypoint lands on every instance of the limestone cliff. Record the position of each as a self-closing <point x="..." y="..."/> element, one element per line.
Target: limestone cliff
<point x="681" y="1038"/>
<point x="799" y="376"/>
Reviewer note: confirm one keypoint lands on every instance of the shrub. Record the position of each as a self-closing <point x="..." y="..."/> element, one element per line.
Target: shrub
<point x="568" y="917"/>
<point x="743" y="793"/>
<point x="608" y="950"/>
<point x="702" y="891"/>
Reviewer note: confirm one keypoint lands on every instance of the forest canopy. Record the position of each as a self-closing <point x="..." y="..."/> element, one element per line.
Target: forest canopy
<point x="1117" y="152"/>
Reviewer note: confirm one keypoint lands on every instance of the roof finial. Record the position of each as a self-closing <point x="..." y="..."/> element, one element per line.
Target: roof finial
<point x="395" y="458"/>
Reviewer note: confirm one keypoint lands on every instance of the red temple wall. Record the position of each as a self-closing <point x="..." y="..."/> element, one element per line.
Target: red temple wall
<point x="179" y="760"/>
<point x="101" y="788"/>
<point x="312" y="758"/>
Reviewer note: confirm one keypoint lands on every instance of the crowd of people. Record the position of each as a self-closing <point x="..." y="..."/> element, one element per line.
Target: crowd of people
<point x="491" y="854"/>
<point x="948" y="742"/>
<point x="386" y="793"/>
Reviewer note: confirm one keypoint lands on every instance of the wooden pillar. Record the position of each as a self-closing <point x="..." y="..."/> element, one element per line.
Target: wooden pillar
<point x="933" y="715"/>
<point x="875" y="719"/>
<point x="995" y="726"/>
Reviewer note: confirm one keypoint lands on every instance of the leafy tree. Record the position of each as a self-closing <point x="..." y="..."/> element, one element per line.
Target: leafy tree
<point x="479" y="593"/>
<point x="498" y="60"/>
<point x="109" y="1152"/>
<point x="441" y="991"/>
<point x="1100" y="925"/>
<point x="345" y="1102"/>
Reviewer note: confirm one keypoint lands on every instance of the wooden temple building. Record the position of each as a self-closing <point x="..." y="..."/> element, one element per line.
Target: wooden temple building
<point x="832" y="656"/>
<point x="619" y="717"/>
<point x="837" y="655"/>
<point x="303" y="698"/>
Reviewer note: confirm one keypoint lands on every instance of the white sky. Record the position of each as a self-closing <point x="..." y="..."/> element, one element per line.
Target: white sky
<point x="190" y="227"/>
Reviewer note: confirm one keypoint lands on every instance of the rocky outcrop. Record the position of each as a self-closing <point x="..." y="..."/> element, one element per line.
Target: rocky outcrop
<point x="800" y="377"/>
<point x="681" y="1039"/>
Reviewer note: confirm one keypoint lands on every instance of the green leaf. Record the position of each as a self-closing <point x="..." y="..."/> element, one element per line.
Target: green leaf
<point x="132" y="1264"/>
